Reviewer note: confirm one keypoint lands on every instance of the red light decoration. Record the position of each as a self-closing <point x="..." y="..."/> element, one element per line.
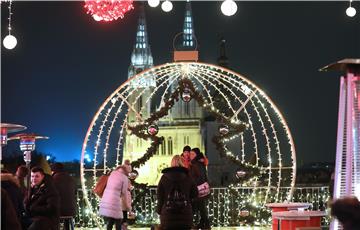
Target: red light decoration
<point x="108" y="10"/>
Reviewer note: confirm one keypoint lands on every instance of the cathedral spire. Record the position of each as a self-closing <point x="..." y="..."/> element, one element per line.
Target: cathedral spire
<point x="188" y="30"/>
<point x="141" y="57"/>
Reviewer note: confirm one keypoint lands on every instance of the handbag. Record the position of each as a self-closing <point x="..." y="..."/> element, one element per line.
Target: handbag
<point x="101" y="185"/>
<point x="203" y="189"/>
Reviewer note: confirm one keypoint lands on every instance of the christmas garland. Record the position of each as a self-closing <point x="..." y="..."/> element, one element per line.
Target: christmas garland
<point x="232" y="129"/>
<point x="185" y="85"/>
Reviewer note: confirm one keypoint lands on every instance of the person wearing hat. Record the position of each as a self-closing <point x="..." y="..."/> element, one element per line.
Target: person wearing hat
<point x="65" y="185"/>
<point x="186" y="156"/>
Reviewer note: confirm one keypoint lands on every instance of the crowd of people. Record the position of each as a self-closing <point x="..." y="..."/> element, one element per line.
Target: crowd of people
<point x="182" y="196"/>
<point x="181" y="201"/>
<point x="39" y="206"/>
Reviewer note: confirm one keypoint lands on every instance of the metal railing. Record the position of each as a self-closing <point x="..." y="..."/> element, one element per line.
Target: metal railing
<point x="237" y="206"/>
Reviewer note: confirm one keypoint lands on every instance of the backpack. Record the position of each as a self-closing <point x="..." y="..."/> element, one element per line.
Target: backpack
<point x="101" y="185"/>
<point x="176" y="200"/>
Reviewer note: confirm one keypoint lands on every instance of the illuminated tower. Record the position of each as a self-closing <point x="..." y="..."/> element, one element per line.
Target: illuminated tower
<point x="183" y="124"/>
<point x="141" y="59"/>
<point x="347" y="168"/>
<point x="188" y="29"/>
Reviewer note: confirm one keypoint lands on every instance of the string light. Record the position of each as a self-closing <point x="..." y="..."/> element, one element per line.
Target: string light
<point x="267" y="131"/>
<point x="224" y="206"/>
<point x="10" y="41"/>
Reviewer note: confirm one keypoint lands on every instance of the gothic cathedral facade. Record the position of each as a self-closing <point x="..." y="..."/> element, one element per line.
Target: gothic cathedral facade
<point x="184" y="124"/>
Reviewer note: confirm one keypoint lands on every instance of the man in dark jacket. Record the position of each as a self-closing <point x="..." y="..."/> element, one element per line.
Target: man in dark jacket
<point x="66" y="188"/>
<point x="176" y="176"/>
<point x="42" y="206"/>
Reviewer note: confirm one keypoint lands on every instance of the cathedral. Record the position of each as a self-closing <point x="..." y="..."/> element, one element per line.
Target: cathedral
<point x="186" y="123"/>
<point x="181" y="127"/>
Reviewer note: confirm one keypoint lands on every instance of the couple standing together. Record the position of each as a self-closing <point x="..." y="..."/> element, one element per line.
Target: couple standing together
<point x="186" y="173"/>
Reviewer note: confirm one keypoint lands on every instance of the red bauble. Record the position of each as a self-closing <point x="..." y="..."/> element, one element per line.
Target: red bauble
<point x="108" y="10"/>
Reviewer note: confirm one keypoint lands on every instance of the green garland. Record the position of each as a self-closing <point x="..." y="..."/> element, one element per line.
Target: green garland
<point x="219" y="140"/>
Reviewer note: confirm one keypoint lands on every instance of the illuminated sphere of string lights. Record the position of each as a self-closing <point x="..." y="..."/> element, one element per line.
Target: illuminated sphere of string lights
<point x="351" y="11"/>
<point x="153" y="3"/>
<point x="228" y="7"/>
<point x="9" y="42"/>
<point x="108" y="10"/>
<point x="266" y="144"/>
<point x="166" y="6"/>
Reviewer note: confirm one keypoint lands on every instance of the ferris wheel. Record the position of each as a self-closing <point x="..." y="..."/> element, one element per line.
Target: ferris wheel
<point x="265" y="143"/>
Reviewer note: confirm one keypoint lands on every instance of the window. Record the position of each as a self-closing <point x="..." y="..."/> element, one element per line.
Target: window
<point x="170" y="146"/>
<point x="186" y="140"/>
<point x="163" y="148"/>
<point x="139" y="104"/>
<point x="187" y="109"/>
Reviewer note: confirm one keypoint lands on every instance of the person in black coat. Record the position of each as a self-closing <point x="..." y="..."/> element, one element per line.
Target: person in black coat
<point x="199" y="174"/>
<point x="65" y="185"/>
<point x="66" y="188"/>
<point x="9" y="221"/>
<point x="347" y="211"/>
<point x="42" y="206"/>
<point x="12" y="186"/>
<point x="175" y="176"/>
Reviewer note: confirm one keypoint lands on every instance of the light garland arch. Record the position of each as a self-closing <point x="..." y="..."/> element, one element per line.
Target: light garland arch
<point x="267" y="137"/>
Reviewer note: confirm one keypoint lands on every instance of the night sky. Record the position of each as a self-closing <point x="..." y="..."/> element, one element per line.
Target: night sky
<point x="66" y="64"/>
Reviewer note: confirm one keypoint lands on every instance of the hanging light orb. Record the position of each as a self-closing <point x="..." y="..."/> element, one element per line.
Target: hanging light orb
<point x="9" y="42"/>
<point x="166" y="6"/>
<point x="153" y="3"/>
<point x="223" y="129"/>
<point x="351" y="11"/>
<point x="244" y="213"/>
<point x="108" y="10"/>
<point x="133" y="175"/>
<point x="228" y="7"/>
<point x="240" y="174"/>
<point x="186" y="95"/>
<point x="153" y="130"/>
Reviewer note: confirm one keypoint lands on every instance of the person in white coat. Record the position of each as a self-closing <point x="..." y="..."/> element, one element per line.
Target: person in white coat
<point x="111" y="205"/>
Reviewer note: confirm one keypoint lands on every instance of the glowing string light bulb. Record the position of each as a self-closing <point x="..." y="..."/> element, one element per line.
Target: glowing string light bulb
<point x="9" y="41"/>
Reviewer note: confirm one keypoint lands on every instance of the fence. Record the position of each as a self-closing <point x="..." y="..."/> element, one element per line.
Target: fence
<point x="230" y="206"/>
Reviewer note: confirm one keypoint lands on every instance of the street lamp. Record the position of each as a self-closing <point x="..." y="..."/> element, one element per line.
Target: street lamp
<point x="8" y="128"/>
<point x="27" y="145"/>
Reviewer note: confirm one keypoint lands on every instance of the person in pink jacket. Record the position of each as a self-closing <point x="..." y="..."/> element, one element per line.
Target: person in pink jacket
<point x="111" y="205"/>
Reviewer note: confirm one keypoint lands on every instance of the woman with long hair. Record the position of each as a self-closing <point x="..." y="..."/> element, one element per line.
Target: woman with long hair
<point x="175" y="192"/>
